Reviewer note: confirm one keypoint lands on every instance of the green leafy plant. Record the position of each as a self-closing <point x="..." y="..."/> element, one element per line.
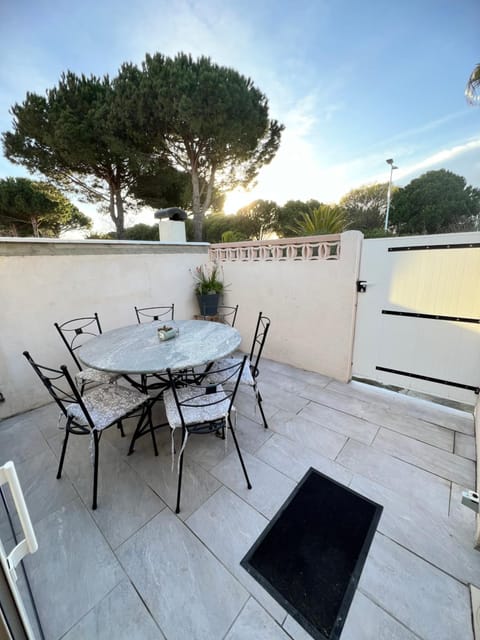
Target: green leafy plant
<point x="208" y="279"/>
<point x="324" y="220"/>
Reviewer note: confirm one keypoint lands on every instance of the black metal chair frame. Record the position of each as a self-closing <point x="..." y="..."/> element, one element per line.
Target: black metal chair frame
<point x="71" y="326"/>
<point x="259" y="338"/>
<point x="142" y="312"/>
<point x="228" y="314"/>
<point x="51" y="378"/>
<point x="232" y="375"/>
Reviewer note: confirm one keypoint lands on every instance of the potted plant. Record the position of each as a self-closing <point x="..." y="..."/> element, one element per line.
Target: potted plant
<point x="209" y="287"/>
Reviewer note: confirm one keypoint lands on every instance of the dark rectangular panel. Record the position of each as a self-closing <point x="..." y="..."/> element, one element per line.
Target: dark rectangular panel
<point x="431" y="247"/>
<point x="429" y="316"/>
<point x="310" y="556"/>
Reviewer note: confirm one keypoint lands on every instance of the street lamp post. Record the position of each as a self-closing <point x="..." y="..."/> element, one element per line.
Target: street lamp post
<point x="389" y="192"/>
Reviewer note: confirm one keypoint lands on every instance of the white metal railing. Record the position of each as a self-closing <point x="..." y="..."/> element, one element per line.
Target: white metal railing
<point x="9" y="562"/>
<point x="307" y="248"/>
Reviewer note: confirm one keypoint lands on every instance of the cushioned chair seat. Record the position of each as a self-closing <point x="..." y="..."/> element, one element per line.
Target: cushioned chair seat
<point x="202" y="408"/>
<point x="107" y="404"/>
<point x="245" y="378"/>
<point x="94" y="375"/>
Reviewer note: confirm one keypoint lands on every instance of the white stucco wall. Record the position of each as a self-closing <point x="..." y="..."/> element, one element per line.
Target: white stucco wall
<point x="311" y="304"/>
<point x="42" y="282"/>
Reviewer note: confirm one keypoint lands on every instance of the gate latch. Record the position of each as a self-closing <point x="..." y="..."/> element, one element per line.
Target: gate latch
<point x="361" y="286"/>
<point x="470" y="499"/>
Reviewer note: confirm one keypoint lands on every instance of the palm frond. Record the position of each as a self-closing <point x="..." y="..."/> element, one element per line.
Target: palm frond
<point x="472" y="90"/>
<point x="322" y="221"/>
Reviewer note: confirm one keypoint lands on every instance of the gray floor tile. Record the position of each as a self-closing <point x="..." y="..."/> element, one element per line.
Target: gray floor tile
<point x="475" y="596"/>
<point x="462" y="519"/>
<point x="386" y="417"/>
<point x="465" y="446"/>
<point x="228" y="526"/>
<point x="20" y="439"/>
<point x="309" y="433"/>
<point x="48" y="419"/>
<point x="412" y="524"/>
<point x="72" y="570"/>
<point x="197" y="483"/>
<point x="343" y="423"/>
<point x="429" y="411"/>
<point x="208" y="450"/>
<point x="421" y="597"/>
<point x="405" y="479"/>
<point x="269" y="487"/>
<point x="280" y="398"/>
<point x="366" y="621"/>
<point x="246" y="405"/>
<point x="250" y="436"/>
<point x="181" y="582"/>
<point x="254" y="623"/>
<point x="125" y="501"/>
<point x="120" y="615"/>
<point x="294" y="630"/>
<point x="291" y="384"/>
<point x="308" y="377"/>
<point x="442" y="463"/>
<point x="43" y="493"/>
<point x="410" y="588"/>
<point x="294" y="459"/>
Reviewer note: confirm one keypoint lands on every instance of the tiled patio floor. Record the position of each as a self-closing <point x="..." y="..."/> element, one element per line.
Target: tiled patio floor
<point x="133" y="569"/>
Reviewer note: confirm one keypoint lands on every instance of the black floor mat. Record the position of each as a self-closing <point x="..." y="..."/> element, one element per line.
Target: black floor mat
<point x="310" y="556"/>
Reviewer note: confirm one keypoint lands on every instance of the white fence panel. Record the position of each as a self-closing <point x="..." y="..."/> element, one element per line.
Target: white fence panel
<point x="418" y="323"/>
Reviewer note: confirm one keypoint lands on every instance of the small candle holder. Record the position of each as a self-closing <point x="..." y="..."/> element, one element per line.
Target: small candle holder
<point x="167" y="333"/>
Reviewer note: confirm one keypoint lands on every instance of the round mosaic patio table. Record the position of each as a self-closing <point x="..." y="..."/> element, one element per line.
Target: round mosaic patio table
<point x="137" y="349"/>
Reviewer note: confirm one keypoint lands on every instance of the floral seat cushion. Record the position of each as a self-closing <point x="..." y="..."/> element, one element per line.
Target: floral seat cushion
<point x="216" y="378"/>
<point x="107" y="404"/>
<point x="200" y="408"/>
<point x="95" y="375"/>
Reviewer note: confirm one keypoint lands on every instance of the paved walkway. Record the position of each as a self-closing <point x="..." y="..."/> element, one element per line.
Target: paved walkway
<point x="132" y="569"/>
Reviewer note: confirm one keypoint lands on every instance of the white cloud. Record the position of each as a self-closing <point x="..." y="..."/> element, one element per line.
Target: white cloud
<point x="440" y="157"/>
<point x="296" y="172"/>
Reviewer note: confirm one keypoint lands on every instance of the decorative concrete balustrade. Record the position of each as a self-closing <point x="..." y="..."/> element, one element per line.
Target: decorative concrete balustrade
<point x="311" y="248"/>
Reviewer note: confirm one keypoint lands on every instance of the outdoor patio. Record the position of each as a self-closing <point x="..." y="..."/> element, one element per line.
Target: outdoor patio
<point x="133" y="569"/>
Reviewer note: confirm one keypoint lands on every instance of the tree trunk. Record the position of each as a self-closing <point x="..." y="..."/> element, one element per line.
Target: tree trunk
<point x="115" y="209"/>
<point x="120" y="214"/>
<point x="198" y="207"/>
<point x="198" y="213"/>
<point x="34" y="222"/>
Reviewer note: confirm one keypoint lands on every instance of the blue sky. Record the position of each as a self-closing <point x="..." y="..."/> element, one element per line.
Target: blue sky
<point x="353" y="82"/>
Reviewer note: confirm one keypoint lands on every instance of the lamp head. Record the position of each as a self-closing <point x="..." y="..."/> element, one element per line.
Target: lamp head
<point x="389" y="161"/>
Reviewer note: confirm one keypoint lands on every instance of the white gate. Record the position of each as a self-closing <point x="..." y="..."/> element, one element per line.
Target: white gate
<point x="418" y="322"/>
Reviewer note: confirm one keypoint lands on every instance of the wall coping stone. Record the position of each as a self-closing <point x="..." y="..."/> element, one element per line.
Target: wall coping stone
<point x="62" y="247"/>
